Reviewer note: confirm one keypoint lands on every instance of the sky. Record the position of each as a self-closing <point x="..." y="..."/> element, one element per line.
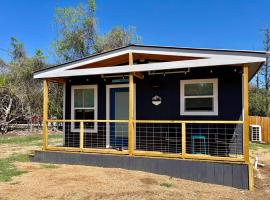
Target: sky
<point x="225" y="24"/>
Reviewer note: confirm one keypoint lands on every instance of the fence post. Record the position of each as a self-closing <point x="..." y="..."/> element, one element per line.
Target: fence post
<point x="183" y="140"/>
<point x="81" y="135"/>
<point x="45" y="114"/>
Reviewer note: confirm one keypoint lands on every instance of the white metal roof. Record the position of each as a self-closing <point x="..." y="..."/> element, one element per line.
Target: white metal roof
<point x="206" y="57"/>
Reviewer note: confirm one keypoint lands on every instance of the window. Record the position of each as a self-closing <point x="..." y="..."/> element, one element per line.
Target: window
<point x="199" y="97"/>
<point x="84" y="106"/>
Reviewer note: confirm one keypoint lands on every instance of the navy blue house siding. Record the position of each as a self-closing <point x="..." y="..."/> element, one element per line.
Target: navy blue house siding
<point x="168" y="88"/>
<point x="229" y="94"/>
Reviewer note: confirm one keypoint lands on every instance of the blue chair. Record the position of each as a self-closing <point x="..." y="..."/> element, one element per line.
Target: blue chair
<point x="201" y="138"/>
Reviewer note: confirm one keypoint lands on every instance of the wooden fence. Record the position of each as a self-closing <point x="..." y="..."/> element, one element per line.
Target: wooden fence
<point x="264" y="122"/>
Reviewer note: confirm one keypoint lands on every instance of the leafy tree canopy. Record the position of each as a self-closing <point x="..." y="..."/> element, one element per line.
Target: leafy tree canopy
<point x="77" y="33"/>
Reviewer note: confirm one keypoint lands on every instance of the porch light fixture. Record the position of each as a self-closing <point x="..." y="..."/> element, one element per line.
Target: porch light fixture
<point x="152" y="73"/>
<point x="113" y="76"/>
<point x="156" y="100"/>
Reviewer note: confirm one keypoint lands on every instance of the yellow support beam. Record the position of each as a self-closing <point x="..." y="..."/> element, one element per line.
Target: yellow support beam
<point x="131" y="110"/>
<point x="138" y="75"/>
<point x="187" y="122"/>
<point x="250" y="177"/>
<point x="245" y="117"/>
<point x="81" y="135"/>
<point x="57" y="80"/>
<point x="183" y="140"/>
<point x="148" y="121"/>
<point x="90" y="120"/>
<point x="213" y="122"/>
<point x="155" y="154"/>
<point x="105" y="151"/>
<point x="215" y="158"/>
<point x="68" y="149"/>
<point x="45" y="113"/>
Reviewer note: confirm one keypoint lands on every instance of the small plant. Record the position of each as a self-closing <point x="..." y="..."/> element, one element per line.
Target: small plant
<point x="167" y="185"/>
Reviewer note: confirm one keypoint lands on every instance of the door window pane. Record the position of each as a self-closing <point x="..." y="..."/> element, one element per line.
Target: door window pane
<point x="121" y="113"/>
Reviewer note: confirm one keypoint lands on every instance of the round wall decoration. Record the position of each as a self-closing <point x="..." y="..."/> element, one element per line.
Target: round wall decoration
<point x="156" y="100"/>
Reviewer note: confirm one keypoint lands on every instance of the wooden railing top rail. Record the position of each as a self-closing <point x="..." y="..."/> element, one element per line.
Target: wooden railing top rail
<point x="153" y="121"/>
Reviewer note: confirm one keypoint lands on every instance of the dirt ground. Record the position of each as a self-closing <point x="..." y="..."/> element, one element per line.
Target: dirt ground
<point x="85" y="182"/>
<point x="81" y="182"/>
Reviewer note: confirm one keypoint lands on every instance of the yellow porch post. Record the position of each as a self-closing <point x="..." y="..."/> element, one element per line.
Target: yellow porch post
<point x="45" y="113"/>
<point x="245" y="103"/>
<point x="81" y="135"/>
<point x="246" y="128"/>
<point x="131" y="110"/>
<point x="183" y="140"/>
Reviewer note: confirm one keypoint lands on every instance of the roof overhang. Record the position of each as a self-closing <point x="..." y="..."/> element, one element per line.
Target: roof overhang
<point x="202" y="58"/>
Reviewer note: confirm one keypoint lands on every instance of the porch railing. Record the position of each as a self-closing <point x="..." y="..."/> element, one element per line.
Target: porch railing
<point x="212" y="140"/>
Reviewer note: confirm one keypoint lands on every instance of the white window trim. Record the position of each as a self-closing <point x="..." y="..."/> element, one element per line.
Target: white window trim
<point x="215" y="95"/>
<point x="95" y="87"/>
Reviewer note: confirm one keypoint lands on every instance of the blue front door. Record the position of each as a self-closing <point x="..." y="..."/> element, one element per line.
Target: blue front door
<point x="119" y="111"/>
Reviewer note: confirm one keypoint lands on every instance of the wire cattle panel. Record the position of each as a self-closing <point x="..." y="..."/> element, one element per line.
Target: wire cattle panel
<point x="161" y="137"/>
<point x="56" y="136"/>
<point x="224" y="140"/>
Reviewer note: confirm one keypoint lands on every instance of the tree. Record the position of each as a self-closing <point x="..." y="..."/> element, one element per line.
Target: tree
<point x="265" y="69"/>
<point x="18" y="78"/>
<point x="10" y="109"/>
<point x="259" y="97"/>
<point x="17" y="50"/>
<point x="257" y="100"/>
<point x="117" y="37"/>
<point x="76" y="27"/>
<point x="77" y="35"/>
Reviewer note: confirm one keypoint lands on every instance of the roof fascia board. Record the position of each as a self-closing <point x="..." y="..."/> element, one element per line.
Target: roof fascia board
<point x="196" y="52"/>
<point x="263" y="53"/>
<point x="83" y="62"/>
<point x="218" y="61"/>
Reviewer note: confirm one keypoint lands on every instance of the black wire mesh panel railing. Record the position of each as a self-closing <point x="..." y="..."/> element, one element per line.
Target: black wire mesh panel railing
<point x="94" y="135"/>
<point x="158" y="137"/>
<point x="109" y="135"/>
<point x="223" y="140"/>
<point x="102" y="135"/>
<point x="56" y="136"/>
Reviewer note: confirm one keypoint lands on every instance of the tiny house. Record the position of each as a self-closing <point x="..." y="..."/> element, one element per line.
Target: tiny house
<point x="181" y="112"/>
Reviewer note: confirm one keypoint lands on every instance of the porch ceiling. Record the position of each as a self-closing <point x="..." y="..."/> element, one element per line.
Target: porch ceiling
<point x="149" y="58"/>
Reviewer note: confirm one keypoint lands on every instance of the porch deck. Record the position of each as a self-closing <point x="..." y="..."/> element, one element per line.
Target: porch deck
<point x="162" y="147"/>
